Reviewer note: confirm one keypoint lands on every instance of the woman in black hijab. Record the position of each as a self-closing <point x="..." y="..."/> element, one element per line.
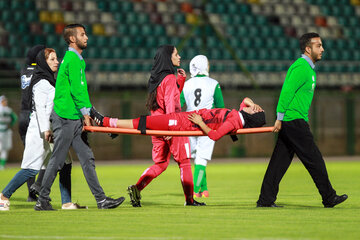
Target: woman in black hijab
<point x="42" y="87"/>
<point x="164" y="97"/>
<point x="36" y="149"/>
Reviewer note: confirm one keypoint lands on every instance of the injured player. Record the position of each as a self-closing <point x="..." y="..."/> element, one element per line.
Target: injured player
<point x="215" y="122"/>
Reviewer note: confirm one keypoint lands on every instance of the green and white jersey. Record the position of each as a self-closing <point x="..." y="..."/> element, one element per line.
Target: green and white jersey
<point x="7" y="118"/>
<point x="201" y="92"/>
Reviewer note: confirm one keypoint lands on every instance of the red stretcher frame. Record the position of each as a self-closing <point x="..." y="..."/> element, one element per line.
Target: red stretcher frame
<point x="169" y="133"/>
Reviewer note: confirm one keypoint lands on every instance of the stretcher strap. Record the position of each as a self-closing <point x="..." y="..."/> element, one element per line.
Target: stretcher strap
<point x="169" y="133"/>
<point x="142" y="124"/>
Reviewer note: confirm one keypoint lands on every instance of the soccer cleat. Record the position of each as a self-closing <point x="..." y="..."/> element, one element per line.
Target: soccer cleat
<point x="4" y="204"/>
<point x="96" y="116"/>
<point x="205" y="193"/>
<point x="135" y="196"/>
<point x="194" y="203"/>
<point x="109" y="203"/>
<point x="43" y="205"/>
<point x="197" y="195"/>
<point x="71" y="206"/>
<point x="337" y="200"/>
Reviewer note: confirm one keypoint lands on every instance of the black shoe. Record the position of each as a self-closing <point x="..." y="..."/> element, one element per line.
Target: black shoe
<point x="337" y="200"/>
<point x="135" y="196"/>
<point x="43" y="205"/>
<point x="96" y="116"/>
<point x="194" y="203"/>
<point x="108" y="203"/>
<point x="268" y="205"/>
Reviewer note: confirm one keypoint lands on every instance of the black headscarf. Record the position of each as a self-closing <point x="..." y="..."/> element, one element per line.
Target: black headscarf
<point x="253" y="120"/>
<point x="32" y="53"/>
<point x="42" y="71"/>
<point x="162" y="66"/>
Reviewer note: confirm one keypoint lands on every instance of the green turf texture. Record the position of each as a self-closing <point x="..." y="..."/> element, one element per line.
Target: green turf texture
<point x="230" y="212"/>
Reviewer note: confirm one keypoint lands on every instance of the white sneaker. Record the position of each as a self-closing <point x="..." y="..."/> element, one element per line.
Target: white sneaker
<point x="72" y="206"/>
<point x="4" y="204"/>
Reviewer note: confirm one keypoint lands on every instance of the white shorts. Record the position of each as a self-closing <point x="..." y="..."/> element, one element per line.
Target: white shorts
<point x="202" y="147"/>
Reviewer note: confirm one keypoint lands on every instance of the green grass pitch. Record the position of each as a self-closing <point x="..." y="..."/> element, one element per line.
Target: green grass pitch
<point x="230" y="212"/>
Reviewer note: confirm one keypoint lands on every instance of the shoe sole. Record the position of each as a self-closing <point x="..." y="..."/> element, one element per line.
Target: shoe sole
<point x="134" y="196"/>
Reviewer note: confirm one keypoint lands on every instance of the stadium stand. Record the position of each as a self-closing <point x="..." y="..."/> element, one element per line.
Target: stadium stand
<point x="123" y="36"/>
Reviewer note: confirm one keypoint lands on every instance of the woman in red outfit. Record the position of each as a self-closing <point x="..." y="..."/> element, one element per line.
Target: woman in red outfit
<point x="215" y="122"/>
<point x="164" y="97"/>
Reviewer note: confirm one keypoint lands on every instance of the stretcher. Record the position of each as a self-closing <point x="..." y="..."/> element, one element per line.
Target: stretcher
<point x="169" y="133"/>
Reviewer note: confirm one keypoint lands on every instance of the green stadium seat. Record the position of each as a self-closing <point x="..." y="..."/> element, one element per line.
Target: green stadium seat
<point x="48" y="28"/>
<point x="179" y="18"/>
<point x="106" y="52"/>
<point x="151" y="42"/>
<point x="6" y="15"/>
<point x="103" y="5"/>
<point x="114" y="41"/>
<point x="102" y="41"/>
<point x="130" y="53"/>
<point x="119" y="16"/>
<point x="117" y="52"/>
<point x="4" y="4"/>
<point x="126" y="6"/>
<point x="4" y="52"/>
<point x="134" y="30"/>
<point x="16" y="5"/>
<point x="123" y="29"/>
<point x="93" y="53"/>
<point x="32" y="16"/>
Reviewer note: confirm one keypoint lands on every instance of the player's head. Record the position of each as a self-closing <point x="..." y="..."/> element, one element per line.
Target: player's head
<point x="199" y="65"/>
<point x="3" y="100"/>
<point x="311" y="45"/>
<point x="32" y="53"/>
<point x="253" y="120"/>
<point x="74" y="34"/>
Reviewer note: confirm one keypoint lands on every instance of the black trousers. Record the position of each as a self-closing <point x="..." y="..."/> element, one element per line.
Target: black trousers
<point x="295" y="137"/>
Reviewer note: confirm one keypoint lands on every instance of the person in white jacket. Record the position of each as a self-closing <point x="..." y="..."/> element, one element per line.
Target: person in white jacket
<point x="199" y="92"/>
<point x="39" y="135"/>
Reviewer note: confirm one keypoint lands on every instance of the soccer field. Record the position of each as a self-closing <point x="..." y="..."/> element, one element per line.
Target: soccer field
<point x="230" y="212"/>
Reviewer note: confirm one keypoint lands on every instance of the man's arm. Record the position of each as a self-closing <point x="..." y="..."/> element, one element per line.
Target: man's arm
<point x="215" y="135"/>
<point x="218" y="97"/>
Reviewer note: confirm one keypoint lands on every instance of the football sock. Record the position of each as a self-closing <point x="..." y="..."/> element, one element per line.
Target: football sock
<point x="106" y="122"/>
<point x="198" y="177"/>
<point x="187" y="180"/>
<point x="203" y="185"/>
<point x="2" y="162"/>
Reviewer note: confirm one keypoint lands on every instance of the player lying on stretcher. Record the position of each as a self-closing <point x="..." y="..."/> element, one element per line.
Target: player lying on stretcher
<point x="215" y="122"/>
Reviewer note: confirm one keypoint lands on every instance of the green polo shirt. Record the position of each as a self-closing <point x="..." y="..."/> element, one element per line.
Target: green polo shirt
<point x="297" y="91"/>
<point x="71" y="94"/>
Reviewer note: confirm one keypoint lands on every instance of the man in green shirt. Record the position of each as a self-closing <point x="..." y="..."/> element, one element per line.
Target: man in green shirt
<point x="72" y="106"/>
<point x="294" y="132"/>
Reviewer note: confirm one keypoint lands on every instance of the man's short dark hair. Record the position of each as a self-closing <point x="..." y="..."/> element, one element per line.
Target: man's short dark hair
<point x="70" y="30"/>
<point x="306" y="39"/>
